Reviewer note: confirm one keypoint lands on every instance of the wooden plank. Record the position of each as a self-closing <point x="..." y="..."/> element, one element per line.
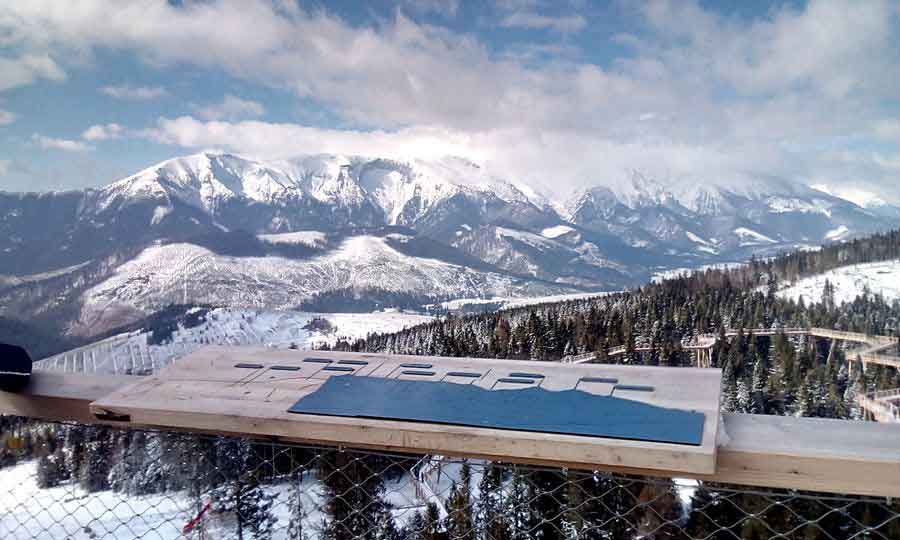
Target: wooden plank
<point x="234" y="389"/>
<point x="833" y="456"/>
<point x="65" y="397"/>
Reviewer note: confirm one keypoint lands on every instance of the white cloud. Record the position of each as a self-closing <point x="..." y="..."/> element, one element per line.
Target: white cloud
<point x="855" y="195"/>
<point x="281" y="141"/>
<point x="6" y="117"/>
<point x="67" y="145"/>
<point x="134" y="93"/>
<point x="4" y="166"/>
<point x="231" y="108"/>
<point x="559" y="159"/>
<point x="28" y="68"/>
<point x="535" y="21"/>
<point x="102" y="132"/>
<point x="888" y="130"/>
<point x="829" y="47"/>
<point x="731" y="96"/>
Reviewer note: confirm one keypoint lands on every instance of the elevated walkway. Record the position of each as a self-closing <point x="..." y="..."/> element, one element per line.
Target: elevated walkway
<point x="882" y="406"/>
<point x="880" y="350"/>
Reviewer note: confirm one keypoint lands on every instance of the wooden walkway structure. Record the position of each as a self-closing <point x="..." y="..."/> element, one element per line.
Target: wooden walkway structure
<point x="882" y="406"/>
<point x="836" y="456"/>
<point x="876" y="349"/>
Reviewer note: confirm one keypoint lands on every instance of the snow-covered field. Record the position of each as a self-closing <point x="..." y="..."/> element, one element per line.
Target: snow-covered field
<point x="68" y="512"/>
<point x="849" y="282"/>
<point x="223" y="326"/>
<point x="27" y="511"/>
<point x="306" y="238"/>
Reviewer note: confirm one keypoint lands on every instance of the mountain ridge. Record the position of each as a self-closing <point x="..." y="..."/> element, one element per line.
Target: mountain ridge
<point x="450" y="209"/>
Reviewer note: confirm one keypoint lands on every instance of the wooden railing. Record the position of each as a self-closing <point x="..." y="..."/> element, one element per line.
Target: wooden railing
<point x="880" y="405"/>
<point x="836" y="456"/>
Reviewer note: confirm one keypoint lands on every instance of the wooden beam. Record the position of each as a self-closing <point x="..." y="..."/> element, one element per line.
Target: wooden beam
<point x="62" y="397"/>
<point x="250" y="389"/>
<point x="834" y="456"/>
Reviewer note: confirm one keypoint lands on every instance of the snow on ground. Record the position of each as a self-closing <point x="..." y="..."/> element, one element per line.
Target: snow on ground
<point x="525" y="237"/>
<point x="14" y="281"/>
<point x="837" y="234"/>
<point x="750" y="237"/>
<point x="185" y="273"/>
<point x="27" y="511"/>
<point x="781" y="205"/>
<point x="223" y="326"/>
<point x="306" y="238"/>
<point x="849" y="282"/>
<point x="67" y="511"/>
<point x="696" y="239"/>
<point x="556" y="231"/>
<point x="674" y="273"/>
<point x="506" y="302"/>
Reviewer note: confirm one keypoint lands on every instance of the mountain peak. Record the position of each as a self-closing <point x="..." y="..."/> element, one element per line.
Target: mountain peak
<point x="204" y="180"/>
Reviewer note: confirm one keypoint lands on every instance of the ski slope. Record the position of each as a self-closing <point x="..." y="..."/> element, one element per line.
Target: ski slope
<point x="881" y="278"/>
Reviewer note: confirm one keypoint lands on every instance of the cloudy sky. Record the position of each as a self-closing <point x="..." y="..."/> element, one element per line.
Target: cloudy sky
<point x="557" y="95"/>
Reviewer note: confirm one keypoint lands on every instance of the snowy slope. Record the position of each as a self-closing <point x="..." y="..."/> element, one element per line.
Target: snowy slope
<point x="304" y="238"/>
<point x="186" y="273"/>
<point x="67" y="511"/>
<point x="849" y="282"/>
<point x="204" y="180"/>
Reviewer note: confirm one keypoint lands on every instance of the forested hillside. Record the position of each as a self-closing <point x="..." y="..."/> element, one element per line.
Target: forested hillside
<point x="774" y="375"/>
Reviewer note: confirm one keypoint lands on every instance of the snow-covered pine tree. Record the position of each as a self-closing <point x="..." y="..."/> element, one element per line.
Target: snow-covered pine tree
<point x="51" y="470"/>
<point x="729" y="389"/>
<point x="519" y="513"/>
<point x="431" y="523"/>
<point x="297" y="512"/>
<point x="459" y="522"/>
<point x="94" y="472"/>
<point x="242" y="495"/>
<point x="758" y="401"/>
<point x="490" y="521"/>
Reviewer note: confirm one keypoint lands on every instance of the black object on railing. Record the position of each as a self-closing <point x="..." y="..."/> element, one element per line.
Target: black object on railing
<point x="15" y="368"/>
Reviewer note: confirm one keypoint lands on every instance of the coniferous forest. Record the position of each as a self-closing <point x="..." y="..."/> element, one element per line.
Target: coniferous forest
<point x="764" y="375"/>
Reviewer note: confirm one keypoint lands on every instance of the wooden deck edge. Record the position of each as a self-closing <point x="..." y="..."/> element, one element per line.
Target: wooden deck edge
<point x="833" y="456"/>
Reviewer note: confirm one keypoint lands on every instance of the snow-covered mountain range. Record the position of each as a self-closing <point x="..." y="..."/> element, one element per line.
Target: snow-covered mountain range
<point x="271" y="234"/>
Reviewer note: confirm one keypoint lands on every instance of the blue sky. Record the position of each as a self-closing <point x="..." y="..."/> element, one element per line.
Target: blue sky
<point x="554" y="94"/>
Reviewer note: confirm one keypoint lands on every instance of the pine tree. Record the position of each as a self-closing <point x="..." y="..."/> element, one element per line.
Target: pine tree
<point x="490" y="521"/>
<point x="431" y="526"/>
<point x="760" y="384"/>
<point x="243" y="496"/>
<point x="729" y="389"/>
<point x="354" y="505"/>
<point x="94" y="472"/>
<point x="295" y="500"/>
<point x="459" y="522"/>
<point x="522" y="519"/>
<point x="51" y="470"/>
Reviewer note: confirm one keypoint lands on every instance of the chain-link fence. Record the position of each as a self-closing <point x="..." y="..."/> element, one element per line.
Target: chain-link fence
<point x="71" y="482"/>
